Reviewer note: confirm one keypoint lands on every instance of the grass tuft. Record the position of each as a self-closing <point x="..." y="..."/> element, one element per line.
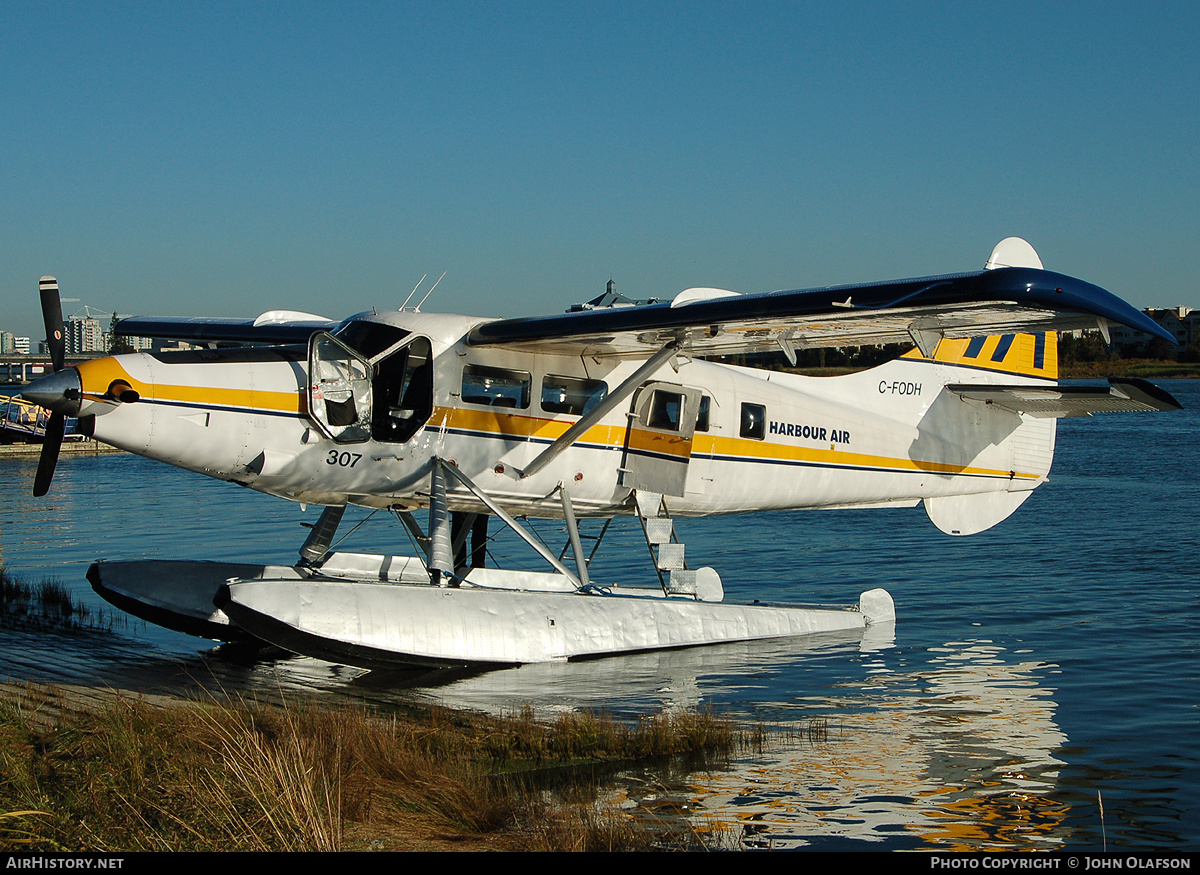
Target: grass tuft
<point x="46" y="606"/>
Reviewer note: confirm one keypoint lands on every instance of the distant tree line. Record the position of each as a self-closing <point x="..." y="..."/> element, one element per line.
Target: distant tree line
<point x="1089" y="346"/>
<point x="117" y="345"/>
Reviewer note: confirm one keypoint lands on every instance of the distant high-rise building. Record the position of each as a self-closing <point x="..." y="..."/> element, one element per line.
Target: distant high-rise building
<point x="22" y="345"/>
<point x="84" y="334"/>
<point x="8" y="342"/>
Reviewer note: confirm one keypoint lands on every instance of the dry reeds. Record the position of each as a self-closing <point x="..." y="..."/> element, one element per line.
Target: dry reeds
<point x="245" y="776"/>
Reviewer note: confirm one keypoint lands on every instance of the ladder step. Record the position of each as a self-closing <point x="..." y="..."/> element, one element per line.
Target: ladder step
<point x="649" y="504"/>
<point x="682" y="582"/>
<point x="660" y="531"/>
<point x="670" y="557"/>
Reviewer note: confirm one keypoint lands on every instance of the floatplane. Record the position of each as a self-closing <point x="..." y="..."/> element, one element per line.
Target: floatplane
<point x="600" y="412"/>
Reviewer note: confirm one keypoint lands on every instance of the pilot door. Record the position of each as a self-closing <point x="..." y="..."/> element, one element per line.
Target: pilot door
<point x="387" y="396"/>
<point x="658" y="442"/>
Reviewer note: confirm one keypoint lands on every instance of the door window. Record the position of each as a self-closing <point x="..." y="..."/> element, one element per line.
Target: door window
<point x="339" y="392"/>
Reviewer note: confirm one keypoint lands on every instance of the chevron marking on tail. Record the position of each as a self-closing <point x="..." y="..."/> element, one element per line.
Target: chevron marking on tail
<point x="1030" y="355"/>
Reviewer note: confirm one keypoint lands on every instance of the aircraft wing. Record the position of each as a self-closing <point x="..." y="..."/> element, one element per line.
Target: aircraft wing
<point x="997" y="301"/>
<point x="1120" y="396"/>
<point x="272" y="327"/>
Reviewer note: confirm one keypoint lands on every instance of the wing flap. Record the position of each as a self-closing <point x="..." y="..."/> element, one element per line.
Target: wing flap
<point x="1120" y="396"/>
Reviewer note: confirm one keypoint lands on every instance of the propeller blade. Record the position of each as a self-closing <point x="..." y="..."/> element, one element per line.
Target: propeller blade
<point x="49" y="458"/>
<point x="56" y="338"/>
<point x="56" y="343"/>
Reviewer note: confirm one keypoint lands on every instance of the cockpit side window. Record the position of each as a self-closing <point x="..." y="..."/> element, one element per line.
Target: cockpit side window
<point x="339" y="390"/>
<point x="375" y="381"/>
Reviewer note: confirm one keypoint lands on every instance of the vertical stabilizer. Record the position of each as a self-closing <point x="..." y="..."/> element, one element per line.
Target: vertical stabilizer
<point x="1019" y="443"/>
<point x="1024" y="355"/>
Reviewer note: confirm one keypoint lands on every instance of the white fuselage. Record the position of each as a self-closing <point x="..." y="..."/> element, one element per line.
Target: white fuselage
<point x="890" y="435"/>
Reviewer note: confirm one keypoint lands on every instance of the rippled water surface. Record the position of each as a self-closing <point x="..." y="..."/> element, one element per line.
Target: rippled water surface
<point x="1038" y="673"/>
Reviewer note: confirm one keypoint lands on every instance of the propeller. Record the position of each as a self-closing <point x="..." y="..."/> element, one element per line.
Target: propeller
<point x="56" y="342"/>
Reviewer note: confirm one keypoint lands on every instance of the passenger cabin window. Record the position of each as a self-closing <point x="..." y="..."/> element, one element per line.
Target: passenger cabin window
<point x="702" y="416"/>
<point x="754" y="421"/>
<point x="496" y="387"/>
<point x="571" y="394"/>
<point x="666" y="408"/>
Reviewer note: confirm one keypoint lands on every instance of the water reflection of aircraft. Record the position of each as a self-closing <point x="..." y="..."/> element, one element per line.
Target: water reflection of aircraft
<point x="600" y="412"/>
<point x="959" y="757"/>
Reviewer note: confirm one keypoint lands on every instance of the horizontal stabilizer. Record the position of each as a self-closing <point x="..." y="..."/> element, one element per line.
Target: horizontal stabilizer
<point x="1120" y="396"/>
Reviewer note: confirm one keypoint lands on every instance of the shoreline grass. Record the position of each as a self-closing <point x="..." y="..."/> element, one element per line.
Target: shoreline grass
<point x="243" y="776"/>
<point x="48" y="605"/>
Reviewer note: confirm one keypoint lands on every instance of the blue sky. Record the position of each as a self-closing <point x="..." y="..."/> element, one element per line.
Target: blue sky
<point x="227" y="158"/>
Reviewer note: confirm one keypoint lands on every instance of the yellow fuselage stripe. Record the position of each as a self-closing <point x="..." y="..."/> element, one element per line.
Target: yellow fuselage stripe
<point x="97" y="375"/>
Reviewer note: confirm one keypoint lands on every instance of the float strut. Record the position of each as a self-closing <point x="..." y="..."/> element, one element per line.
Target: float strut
<point x="442" y="468"/>
<point x="573" y="532"/>
<point x="441" y="550"/>
<point x="316" y="545"/>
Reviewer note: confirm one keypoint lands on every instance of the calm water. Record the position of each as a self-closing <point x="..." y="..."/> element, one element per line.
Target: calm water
<point x="1036" y="672"/>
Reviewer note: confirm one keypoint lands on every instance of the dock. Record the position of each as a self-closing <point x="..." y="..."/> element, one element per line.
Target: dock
<point x="73" y="448"/>
<point x="23" y="425"/>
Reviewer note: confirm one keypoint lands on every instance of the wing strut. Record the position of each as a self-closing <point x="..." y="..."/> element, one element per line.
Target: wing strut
<point x="439" y="465"/>
<point x="598" y="412"/>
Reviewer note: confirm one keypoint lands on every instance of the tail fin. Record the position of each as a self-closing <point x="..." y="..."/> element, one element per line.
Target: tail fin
<point x="1022" y="445"/>
<point x="1024" y="355"/>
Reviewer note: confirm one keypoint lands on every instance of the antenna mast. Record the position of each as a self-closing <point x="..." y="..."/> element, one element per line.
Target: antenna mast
<point x="417" y="309"/>
<point x="414" y="291"/>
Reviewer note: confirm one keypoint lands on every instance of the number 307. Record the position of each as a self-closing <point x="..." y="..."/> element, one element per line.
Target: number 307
<point x="343" y="460"/>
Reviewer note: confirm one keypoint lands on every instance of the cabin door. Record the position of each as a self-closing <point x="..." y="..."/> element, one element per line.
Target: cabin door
<point x="339" y="389"/>
<point x="658" y="442"/>
<point x="387" y="397"/>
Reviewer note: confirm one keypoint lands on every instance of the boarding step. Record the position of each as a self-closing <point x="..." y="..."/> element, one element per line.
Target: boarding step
<point x="670" y="557"/>
<point x="682" y="582"/>
<point x="649" y="504"/>
<point x="660" y="531"/>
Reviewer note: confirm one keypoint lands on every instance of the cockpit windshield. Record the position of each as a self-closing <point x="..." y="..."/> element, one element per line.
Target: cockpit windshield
<point x="369" y="338"/>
